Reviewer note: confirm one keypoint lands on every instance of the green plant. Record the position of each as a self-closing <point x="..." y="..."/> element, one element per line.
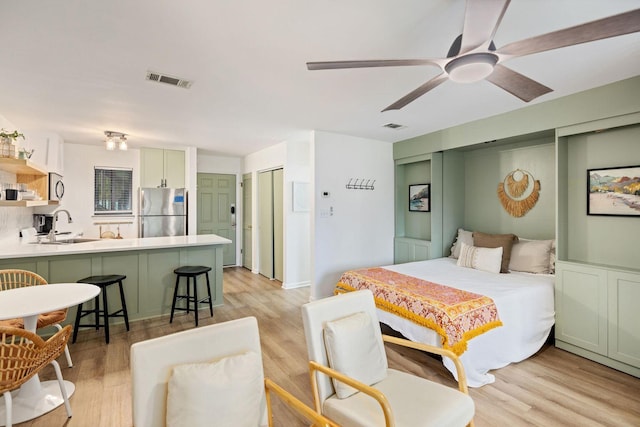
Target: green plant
<point x="11" y="135"/>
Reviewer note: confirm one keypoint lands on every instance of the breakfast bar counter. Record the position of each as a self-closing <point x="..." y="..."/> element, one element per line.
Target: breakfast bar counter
<point x="147" y="262"/>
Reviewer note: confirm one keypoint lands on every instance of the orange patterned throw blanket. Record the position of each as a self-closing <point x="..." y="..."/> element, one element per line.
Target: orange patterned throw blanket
<point x="456" y="315"/>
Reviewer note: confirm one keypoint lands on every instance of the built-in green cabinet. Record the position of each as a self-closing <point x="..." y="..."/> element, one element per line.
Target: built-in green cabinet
<point x="597" y="315"/>
<point x="597" y="272"/>
<point x="407" y="249"/>
<point x="159" y="167"/>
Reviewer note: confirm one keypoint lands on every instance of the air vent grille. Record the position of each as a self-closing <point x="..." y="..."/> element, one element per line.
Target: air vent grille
<point x="171" y="80"/>
<point x="393" y="126"/>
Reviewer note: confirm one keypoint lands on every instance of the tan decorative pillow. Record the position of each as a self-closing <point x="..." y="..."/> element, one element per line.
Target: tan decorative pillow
<point x="531" y="256"/>
<point x="505" y="241"/>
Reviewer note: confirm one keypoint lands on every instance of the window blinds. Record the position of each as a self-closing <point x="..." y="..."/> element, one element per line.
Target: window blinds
<point x="112" y="191"/>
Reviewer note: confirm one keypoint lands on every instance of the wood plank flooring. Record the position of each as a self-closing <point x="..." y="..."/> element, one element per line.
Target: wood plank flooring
<point x="553" y="388"/>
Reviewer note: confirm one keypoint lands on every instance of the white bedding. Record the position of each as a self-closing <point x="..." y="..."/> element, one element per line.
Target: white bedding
<point x="525" y="306"/>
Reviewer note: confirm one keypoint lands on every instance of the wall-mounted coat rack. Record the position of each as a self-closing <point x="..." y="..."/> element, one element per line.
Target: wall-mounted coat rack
<point x="360" y="184"/>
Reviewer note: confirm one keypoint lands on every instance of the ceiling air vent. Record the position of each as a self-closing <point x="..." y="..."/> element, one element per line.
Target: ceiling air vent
<point x="393" y="126"/>
<point x="164" y="78"/>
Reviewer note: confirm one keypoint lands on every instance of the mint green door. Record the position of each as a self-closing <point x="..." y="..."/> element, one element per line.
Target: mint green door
<point x="247" y="222"/>
<point x="217" y="210"/>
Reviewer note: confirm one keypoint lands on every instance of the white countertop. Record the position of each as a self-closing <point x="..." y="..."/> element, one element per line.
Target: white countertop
<point x="23" y="248"/>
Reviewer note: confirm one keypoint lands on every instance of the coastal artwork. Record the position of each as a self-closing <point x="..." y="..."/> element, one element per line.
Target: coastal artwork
<point x="614" y="191"/>
<point x="419" y="198"/>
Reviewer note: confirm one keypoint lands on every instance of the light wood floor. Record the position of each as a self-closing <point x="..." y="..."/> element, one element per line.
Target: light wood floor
<point x="553" y="388"/>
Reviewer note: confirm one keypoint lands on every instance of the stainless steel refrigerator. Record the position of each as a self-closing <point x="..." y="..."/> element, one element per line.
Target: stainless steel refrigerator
<point x="163" y="212"/>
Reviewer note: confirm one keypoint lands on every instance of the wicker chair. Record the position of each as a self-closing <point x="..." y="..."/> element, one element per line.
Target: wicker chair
<point x="22" y="355"/>
<point x="10" y="279"/>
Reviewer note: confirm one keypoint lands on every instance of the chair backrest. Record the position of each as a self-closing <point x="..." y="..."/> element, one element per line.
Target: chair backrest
<point x="14" y="278"/>
<point x="23" y="354"/>
<point x="152" y="362"/>
<point x="314" y="316"/>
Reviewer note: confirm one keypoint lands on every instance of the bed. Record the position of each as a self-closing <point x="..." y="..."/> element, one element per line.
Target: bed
<point x="525" y="307"/>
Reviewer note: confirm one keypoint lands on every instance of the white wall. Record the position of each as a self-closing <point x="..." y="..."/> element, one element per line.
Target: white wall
<point x="79" y="163"/>
<point x="358" y="231"/>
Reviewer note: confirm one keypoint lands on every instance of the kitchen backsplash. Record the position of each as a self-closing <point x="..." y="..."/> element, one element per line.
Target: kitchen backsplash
<point x="12" y="219"/>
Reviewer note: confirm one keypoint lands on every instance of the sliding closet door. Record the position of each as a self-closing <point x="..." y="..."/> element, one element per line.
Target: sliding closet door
<point x="278" y="225"/>
<point x="265" y="224"/>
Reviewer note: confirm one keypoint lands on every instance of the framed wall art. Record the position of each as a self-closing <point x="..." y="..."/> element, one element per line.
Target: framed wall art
<point x="614" y="191"/>
<point x="420" y="198"/>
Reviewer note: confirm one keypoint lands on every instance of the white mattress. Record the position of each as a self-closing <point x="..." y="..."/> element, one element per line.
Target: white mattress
<point x="525" y="306"/>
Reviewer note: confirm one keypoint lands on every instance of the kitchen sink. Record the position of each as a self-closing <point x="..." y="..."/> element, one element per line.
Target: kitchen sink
<point x="66" y="241"/>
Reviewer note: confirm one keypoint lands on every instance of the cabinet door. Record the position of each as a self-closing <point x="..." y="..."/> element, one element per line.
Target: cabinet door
<point x="174" y="168"/>
<point x="409" y="250"/>
<point x="151" y="167"/>
<point x="581" y="306"/>
<point x="624" y="317"/>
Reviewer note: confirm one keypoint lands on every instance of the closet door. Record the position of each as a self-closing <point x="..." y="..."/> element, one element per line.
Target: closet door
<point x="247" y="222"/>
<point x="278" y="225"/>
<point x="265" y="224"/>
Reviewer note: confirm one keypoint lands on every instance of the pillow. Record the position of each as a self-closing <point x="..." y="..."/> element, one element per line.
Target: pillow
<point x="552" y="258"/>
<point x="485" y="259"/>
<point x="354" y="349"/>
<point x="531" y="256"/>
<point x="463" y="236"/>
<point x="225" y="392"/>
<point x="484" y="240"/>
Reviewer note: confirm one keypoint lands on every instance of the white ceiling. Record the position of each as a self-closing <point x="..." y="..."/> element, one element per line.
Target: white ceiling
<point x="78" y="67"/>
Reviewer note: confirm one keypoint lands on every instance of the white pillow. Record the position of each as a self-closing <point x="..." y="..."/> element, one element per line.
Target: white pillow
<point x="485" y="259"/>
<point x="227" y="392"/>
<point x="354" y="349"/>
<point x="464" y="236"/>
<point x="531" y="256"/>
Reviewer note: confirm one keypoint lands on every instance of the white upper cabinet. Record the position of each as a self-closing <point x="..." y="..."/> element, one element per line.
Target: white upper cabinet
<point x="158" y="166"/>
<point x="48" y="150"/>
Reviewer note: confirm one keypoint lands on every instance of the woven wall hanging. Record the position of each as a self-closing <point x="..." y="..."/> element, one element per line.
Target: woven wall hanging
<point x="518" y="192"/>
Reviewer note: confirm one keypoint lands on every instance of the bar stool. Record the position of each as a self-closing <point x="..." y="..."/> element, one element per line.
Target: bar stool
<point x="191" y="272"/>
<point x="102" y="282"/>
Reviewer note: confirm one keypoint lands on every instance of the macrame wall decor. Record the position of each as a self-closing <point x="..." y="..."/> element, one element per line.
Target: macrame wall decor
<point x="518" y="192"/>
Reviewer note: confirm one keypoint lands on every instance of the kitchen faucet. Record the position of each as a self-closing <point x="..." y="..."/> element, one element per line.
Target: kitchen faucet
<point x="52" y="233"/>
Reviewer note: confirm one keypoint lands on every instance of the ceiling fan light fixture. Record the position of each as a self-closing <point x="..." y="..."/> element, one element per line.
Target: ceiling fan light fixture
<point x="471" y="68"/>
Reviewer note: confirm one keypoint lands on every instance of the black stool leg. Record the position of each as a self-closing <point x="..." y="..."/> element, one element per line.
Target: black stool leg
<point x="76" y="325"/>
<point x="124" y="305"/>
<point x="96" y="309"/>
<point x="195" y="299"/>
<point x="188" y="296"/>
<point x="175" y="296"/>
<point x="105" y="314"/>
<point x="209" y="291"/>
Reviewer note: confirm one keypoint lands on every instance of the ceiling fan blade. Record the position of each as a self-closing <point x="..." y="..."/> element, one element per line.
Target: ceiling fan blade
<point x="517" y="84"/>
<point x="334" y="65"/>
<point x="612" y="26"/>
<point x="417" y="93"/>
<point x="481" y="20"/>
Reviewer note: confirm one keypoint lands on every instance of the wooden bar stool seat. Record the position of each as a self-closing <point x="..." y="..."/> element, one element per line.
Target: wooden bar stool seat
<point x="191" y="272"/>
<point x="102" y="282"/>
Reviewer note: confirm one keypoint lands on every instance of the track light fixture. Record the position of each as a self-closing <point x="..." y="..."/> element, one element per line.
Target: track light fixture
<point x="114" y="139"/>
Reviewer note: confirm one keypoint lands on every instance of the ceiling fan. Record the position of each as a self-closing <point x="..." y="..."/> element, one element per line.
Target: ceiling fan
<point x="473" y="56"/>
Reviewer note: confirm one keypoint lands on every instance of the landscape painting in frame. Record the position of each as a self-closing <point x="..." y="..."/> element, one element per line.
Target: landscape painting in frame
<point x="614" y="191"/>
<point x="420" y="198"/>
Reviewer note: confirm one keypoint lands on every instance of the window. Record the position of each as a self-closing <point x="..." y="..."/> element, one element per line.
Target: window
<point x="112" y="191"/>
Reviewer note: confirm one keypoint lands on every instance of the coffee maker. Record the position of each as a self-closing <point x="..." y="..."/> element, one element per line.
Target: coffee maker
<point x="43" y="223"/>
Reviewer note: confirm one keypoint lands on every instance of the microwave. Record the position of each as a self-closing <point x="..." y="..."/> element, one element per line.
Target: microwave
<point x="56" y="187"/>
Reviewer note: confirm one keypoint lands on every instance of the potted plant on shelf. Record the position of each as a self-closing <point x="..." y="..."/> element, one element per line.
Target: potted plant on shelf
<point x="7" y="142"/>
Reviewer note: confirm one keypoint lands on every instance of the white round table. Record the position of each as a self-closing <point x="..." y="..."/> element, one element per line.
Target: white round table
<point x="37" y="397"/>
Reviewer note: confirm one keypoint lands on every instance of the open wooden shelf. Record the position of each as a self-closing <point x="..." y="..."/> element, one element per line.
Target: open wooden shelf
<point x="27" y="203"/>
<point x="20" y="166"/>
